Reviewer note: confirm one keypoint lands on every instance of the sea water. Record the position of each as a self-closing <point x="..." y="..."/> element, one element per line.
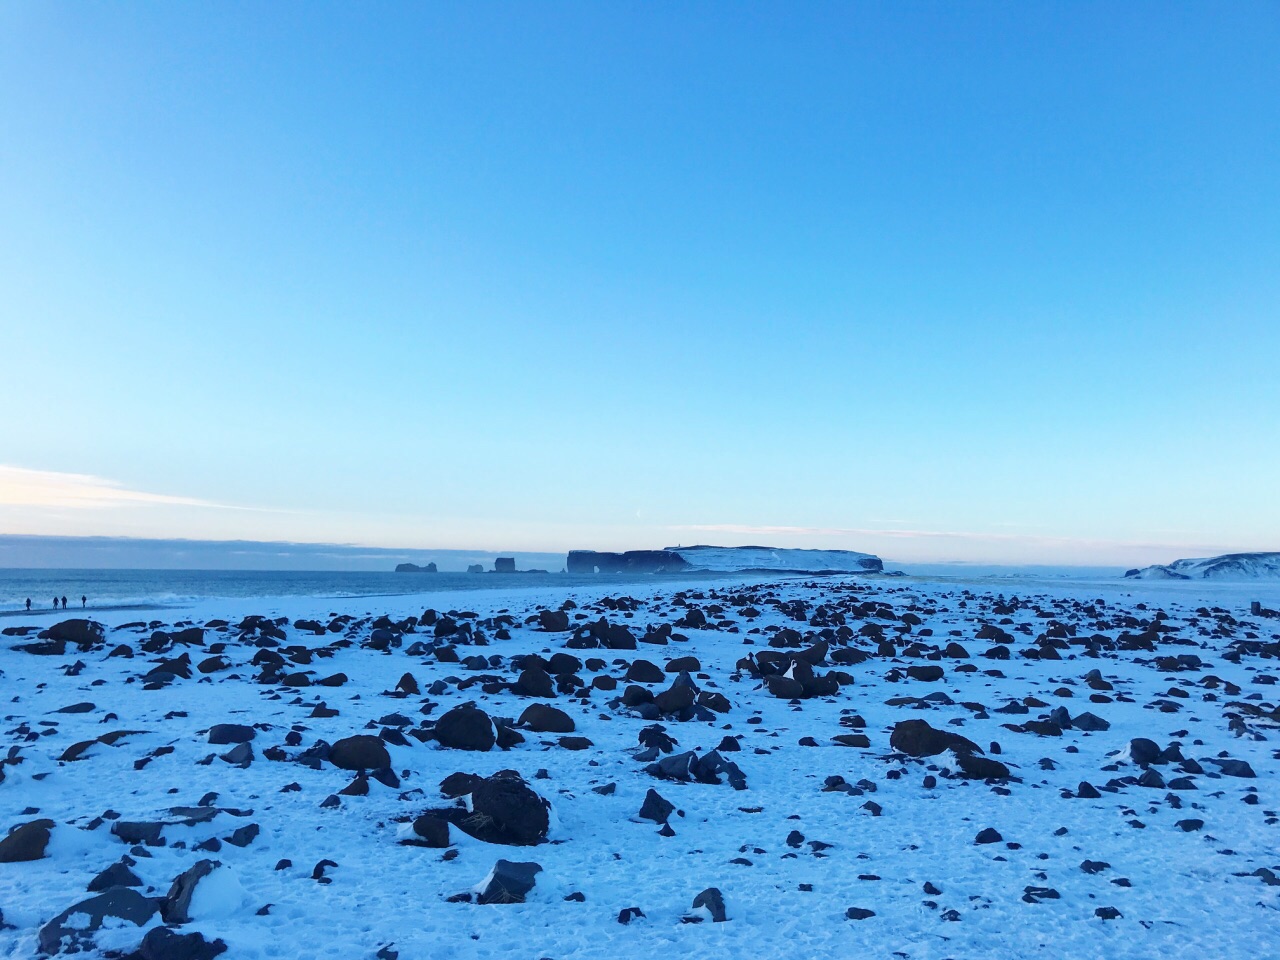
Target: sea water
<point x="122" y="589"/>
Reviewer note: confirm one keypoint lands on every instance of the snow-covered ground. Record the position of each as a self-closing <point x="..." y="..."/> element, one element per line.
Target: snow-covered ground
<point x="898" y="845"/>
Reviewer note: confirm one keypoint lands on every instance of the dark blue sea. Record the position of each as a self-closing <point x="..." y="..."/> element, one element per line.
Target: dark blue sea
<point x="106" y="589"/>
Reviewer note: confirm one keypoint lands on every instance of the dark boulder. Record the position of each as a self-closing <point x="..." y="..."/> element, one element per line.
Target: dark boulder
<point x="917" y="739"/>
<point x="466" y="728"/>
<point x="981" y="768"/>
<point x="116" y="875"/>
<point x="642" y="671"/>
<point x="711" y="902"/>
<point x="535" y="682"/>
<point x="542" y="718"/>
<point x="433" y="830"/>
<point x="506" y="810"/>
<point x="176" y="906"/>
<point x="1143" y="751"/>
<point x="508" y="882"/>
<point x="121" y="904"/>
<point x="927" y="673"/>
<point x="221" y="733"/>
<point x="83" y="633"/>
<point x="656" y="807"/>
<point x="553" y="621"/>
<point x="26" y="842"/>
<point x="161" y="943"/>
<point x="361" y="752"/>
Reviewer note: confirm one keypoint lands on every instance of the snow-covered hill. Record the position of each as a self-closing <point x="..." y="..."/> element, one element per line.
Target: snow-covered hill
<point x="1230" y="566"/>
<point x="704" y="557"/>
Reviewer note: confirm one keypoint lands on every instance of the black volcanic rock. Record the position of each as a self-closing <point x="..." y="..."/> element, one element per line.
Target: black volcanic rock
<point x="917" y="739"/>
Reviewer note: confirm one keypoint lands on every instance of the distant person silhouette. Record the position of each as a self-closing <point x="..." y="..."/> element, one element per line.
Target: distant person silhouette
<point x="64" y="603"/>
<point x="55" y="603"/>
<point x="28" y="604"/>
<point x="83" y="601"/>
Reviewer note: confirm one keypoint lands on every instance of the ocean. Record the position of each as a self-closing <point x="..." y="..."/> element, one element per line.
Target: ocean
<point x="124" y="589"/>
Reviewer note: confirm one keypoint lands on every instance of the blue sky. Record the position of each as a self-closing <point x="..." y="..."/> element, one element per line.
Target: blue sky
<point x="983" y="281"/>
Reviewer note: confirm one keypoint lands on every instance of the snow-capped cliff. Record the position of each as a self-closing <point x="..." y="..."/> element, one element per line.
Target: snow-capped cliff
<point x="1230" y="566"/>
<point x="704" y="557"/>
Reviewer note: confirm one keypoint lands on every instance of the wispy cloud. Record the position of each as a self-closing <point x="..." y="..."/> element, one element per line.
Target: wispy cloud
<point x="21" y="487"/>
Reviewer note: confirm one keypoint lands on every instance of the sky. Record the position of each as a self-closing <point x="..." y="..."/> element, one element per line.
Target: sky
<point x="990" y="282"/>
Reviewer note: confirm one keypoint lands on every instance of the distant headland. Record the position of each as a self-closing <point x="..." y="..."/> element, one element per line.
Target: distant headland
<point x="700" y="557"/>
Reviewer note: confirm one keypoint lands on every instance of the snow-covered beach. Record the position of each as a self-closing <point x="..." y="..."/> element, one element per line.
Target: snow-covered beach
<point x="836" y="848"/>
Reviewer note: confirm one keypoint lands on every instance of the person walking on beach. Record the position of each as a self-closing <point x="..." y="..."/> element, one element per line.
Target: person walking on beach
<point x="28" y="604"/>
<point x="83" y="601"/>
<point x="64" y="603"/>
<point x="55" y="603"/>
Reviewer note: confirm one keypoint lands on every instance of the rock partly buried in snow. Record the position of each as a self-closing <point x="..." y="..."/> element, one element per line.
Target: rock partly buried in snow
<point x="917" y="739"/>
<point x="507" y="882"/>
<point x="225" y="733"/>
<point x="432" y="831"/>
<point x="26" y="842"/>
<point x="361" y="752"/>
<point x="73" y="929"/>
<point x="161" y="943"/>
<point x="981" y="768"/>
<point x="177" y="904"/>
<point x="116" y="875"/>
<point x="690" y="768"/>
<point x="708" y="905"/>
<point x="466" y="728"/>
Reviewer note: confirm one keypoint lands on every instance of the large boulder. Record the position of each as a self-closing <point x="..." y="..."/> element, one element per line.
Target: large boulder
<point x="535" y="682"/>
<point x="508" y="811"/>
<point x="74" y="935"/>
<point x="542" y="718"/>
<point x="917" y="739"/>
<point x="361" y="752"/>
<point x="1143" y="751"/>
<point x="553" y="621"/>
<point x="161" y="943"/>
<point x="25" y="842"/>
<point x="466" y="728"/>
<point x="83" y="633"/>
<point x="222" y="733"/>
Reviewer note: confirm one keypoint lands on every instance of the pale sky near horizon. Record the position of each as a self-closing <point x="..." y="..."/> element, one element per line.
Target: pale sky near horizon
<point x="997" y="282"/>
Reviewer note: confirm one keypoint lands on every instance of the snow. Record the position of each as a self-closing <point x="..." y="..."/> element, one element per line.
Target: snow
<point x="218" y="896"/>
<point x="1191" y="895"/>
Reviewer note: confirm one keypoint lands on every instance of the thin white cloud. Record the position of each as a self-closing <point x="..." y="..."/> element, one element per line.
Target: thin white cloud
<point x="21" y="487"/>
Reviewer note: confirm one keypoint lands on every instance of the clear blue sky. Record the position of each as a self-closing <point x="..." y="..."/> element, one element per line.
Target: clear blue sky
<point x="995" y="281"/>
